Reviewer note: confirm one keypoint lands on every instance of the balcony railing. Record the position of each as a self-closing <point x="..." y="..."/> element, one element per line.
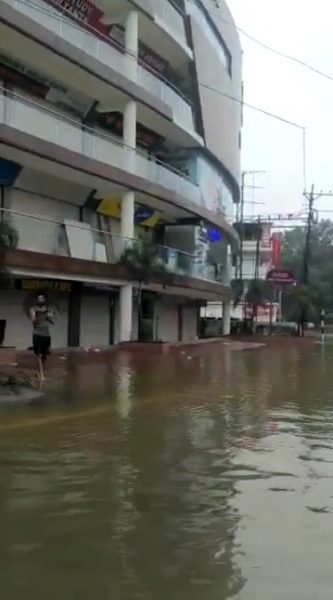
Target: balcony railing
<point x="173" y="20"/>
<point x="74" y="239"/>
<point x="108" y="54"/>
<point x="40" y="121"/>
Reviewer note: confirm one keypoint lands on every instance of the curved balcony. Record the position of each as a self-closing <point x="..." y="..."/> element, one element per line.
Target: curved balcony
<point x="73" y="239"/>
<point x="109" y="55"/>
<point x="42" y="122"/>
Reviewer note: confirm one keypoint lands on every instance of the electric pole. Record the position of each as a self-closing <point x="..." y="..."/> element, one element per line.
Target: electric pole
<point x="307" y="248"/>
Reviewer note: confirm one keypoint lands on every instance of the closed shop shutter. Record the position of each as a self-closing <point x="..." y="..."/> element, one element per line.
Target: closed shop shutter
<point x="19" y="328"/>
<point x="95" y="320"/>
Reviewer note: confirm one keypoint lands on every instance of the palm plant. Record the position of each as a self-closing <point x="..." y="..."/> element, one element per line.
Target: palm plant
<point x="143" y="260"/>
<point x="8" y="239"/>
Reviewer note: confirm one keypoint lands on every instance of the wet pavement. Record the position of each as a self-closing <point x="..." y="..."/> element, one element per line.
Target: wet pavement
<point x="204" y="475"/>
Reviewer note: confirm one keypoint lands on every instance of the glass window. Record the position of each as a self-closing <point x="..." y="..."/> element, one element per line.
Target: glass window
<point x="198" y="12"/>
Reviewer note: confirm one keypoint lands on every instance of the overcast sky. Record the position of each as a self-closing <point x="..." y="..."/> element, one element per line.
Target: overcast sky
<point x="304" y="29"/>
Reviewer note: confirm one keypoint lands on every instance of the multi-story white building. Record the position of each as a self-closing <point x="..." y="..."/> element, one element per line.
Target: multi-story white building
<point x="114" y="120"/>
<point x="256" y="252"/>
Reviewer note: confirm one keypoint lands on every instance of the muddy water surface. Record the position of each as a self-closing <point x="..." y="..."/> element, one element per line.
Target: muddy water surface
<point x="202" y="476"/>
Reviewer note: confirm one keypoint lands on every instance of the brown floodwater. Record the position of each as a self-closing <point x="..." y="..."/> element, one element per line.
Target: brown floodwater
<point x="201" y="476"/>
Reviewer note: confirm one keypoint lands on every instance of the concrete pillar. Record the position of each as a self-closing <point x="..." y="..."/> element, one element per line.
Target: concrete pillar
<point x="226" y="317"/>
<point x="227" y="271"/>
<point x="129" y="124"/>
<point x="127" y="215"/>
<point x="126" y="292"/>
<point x="126" y="313"/>
<point x="132" y="42"/>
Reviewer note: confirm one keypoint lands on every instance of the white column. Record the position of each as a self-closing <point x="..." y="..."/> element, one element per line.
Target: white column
<point x="129" y="124"/>
<point x="126" y="292"/>
<point x="127" y="215"/>
<point x="126" y="308"/>
<point x="227" y="271"/>
<point x="132" y="32"/>
<point x="226" y="317"/>
<point x="128" y="200"/>
<point x="132" y="42"/>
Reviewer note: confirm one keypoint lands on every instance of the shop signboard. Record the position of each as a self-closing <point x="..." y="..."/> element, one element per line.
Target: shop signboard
<point x="9" y="172"/>
<point x="144" y="215"/>
<point x="281" y="277"/>
<point x="45" y="285"/>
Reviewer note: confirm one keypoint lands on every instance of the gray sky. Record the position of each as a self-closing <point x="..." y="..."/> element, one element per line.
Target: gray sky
<point x="302" y="28"/>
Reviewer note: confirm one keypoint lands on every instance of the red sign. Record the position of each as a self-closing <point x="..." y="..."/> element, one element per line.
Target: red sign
<point x="276" y="249"/>
<point x="281" y="276"/>
<point x="90" y="17"/>
<point x="84" y="12"/>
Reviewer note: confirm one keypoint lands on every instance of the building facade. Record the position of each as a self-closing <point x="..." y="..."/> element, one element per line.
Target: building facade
<point x="115" y="125"/>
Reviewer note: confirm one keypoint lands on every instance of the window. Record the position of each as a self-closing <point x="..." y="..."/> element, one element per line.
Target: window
<point x="200" y="14"/>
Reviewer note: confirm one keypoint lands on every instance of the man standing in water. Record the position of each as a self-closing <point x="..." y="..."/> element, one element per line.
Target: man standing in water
<point x="41" y="318"/>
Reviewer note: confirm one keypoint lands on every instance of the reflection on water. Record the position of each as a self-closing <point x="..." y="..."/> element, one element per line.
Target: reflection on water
<point x="206" y="475"/>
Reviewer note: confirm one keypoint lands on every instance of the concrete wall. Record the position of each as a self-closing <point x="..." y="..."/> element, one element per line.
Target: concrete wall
<point x="221" y="117"/>
<point x="34" y="234"/>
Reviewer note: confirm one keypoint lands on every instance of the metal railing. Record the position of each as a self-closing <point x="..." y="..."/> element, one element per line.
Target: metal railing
<point x="41" y="121"/>
<point x="74" y="239"/>
<point x="107" y="53"/>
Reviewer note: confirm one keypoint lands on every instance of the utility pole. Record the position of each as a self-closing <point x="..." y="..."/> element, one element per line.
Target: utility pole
<point x="241" y="228"/>
<point x="307" y="248"/>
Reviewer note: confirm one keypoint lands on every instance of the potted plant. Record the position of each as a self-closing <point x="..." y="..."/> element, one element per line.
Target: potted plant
<point x="8" y="239"/>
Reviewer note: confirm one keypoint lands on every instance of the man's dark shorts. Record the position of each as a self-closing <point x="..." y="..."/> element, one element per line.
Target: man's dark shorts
<point x="41" y="345"/>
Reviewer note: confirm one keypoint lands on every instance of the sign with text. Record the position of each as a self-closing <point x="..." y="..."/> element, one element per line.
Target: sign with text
<point x="45" y="285"/>
<point x="281" y="277"/>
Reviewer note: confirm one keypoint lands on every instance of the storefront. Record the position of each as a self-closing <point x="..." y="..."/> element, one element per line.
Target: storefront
<point x="84" y="314"/>
<point x="15" y="305"/>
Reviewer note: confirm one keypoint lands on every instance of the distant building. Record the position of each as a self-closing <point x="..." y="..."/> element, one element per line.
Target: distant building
<point x="257" y="252"/>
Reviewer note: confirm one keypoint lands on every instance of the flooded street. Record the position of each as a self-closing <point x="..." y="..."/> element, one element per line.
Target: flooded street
<point x="203" y="475"/>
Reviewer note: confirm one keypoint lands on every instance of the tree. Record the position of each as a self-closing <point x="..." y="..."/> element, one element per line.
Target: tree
<point x="297" y="302"/>
<point x="319" y="292"/>
<point x="256" y="295"/>
<point x="144" y="261"/>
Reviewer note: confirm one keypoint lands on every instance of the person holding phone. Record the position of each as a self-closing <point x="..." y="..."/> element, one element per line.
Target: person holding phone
<point x="41" y="318"/>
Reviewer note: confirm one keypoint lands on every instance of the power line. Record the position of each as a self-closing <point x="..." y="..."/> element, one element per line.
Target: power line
<point x="251" y="37"/>
<point x="273" y="116"/>
<point x="252" y="106"/>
